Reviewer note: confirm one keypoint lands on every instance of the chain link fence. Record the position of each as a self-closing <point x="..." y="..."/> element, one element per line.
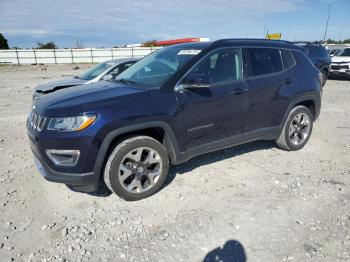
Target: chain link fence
<point x="70" y="56"/>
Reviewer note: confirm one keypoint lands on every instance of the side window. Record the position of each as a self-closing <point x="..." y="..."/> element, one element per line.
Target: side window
<point x="221" y="66"/>
<point x="264" y="61"/>
<point x="288" y="59"/>
<point x="116" y="71"/>
<point x="127" y="65"/>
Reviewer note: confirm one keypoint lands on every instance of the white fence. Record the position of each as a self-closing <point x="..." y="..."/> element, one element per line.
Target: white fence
<point x="70" y="56"/>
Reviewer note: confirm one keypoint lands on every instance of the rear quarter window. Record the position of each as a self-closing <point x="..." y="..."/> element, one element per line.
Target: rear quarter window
<point x="288" y="59"/>
<point x="304" y="64"/>
<point x="264" y="61"/>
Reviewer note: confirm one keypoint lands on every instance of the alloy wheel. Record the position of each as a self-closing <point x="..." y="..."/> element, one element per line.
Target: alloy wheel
<point x="140" y="169"/>
<point x="299" y="128"/>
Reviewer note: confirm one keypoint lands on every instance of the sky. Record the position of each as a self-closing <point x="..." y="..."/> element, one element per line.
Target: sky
<point x="107" y="23"/>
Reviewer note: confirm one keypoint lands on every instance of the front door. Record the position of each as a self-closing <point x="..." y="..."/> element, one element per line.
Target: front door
<point x="218" y="109"/>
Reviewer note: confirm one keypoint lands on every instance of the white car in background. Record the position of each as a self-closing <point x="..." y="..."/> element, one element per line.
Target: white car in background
<point x="340" y="65"/>
<point x="102" y="71"/>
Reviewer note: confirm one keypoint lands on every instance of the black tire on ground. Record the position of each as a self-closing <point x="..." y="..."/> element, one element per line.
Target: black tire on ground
<point x="284" y="140"/>
<point x="116" y="158"/>
<point x="324" y="77"/>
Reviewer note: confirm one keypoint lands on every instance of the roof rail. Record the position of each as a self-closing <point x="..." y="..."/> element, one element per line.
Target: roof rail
<point x="251" y="39"/>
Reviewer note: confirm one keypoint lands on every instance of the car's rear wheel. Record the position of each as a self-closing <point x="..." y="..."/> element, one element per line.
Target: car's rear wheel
<point x="297" y="129"/>
<point x="137" y="168"/>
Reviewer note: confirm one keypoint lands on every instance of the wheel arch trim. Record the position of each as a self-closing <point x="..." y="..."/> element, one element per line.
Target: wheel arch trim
<point x="169" y="142"/>
<point x="305" y="98"/>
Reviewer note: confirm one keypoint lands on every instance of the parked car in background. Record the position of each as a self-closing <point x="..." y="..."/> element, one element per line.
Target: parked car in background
<point x="319" y="56"/>
<point x="333" y="52"/>
<point x="340" y="65"/>
<point x="177" y="103"/>
<point x="111" y="68"/>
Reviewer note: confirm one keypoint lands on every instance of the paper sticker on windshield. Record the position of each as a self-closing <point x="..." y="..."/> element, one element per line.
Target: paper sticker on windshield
<point x="189" y="52"/>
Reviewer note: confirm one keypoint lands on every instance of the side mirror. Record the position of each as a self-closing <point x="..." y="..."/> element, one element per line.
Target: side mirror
<point x="331" y="54"/>
<point x="196" y="80"/>
<point x="107" y="77"/>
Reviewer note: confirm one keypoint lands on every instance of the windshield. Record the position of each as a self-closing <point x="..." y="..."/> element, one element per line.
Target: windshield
<point x="345" y="52"/>
<point x="96" y="71"/>
<point x="155" y="69"/>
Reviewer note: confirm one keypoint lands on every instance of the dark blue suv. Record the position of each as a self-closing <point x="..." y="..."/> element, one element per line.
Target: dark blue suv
<point x="174" y="104"/>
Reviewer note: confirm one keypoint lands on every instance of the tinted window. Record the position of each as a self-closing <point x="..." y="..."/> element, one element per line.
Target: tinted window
<point x="315" y="51"/>
<point x="127" y="65"/>
<point x="122" y="67"/>
<point x="345" y="52"/>
<point x="264" y="61"/>
<point x="287" y="58"/>
<point x="221" y="66"/>
<point x="117" y="70"/>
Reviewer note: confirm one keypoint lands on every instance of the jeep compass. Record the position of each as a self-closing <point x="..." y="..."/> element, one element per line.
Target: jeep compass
<point x="176" y="103"/>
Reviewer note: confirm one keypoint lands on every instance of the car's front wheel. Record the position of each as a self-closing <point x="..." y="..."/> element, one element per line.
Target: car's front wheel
<point x="137" y="168"/>
<point x="297" y="129"/>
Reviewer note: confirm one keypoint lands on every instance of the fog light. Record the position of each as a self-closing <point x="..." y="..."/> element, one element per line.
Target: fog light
<point x="63" y="157"/>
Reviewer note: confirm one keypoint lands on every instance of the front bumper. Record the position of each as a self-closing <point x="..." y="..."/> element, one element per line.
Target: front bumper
<point x="87" y="182"/>
<point x="81" y="176"/>
<point x="340" y="70"/>
<point x="80" y="180"/>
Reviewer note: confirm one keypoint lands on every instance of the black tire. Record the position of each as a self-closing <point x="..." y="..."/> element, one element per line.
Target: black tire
<point x="115" y="160"/>
<point x="284" y="141"/>
<point x="324" y="77"/>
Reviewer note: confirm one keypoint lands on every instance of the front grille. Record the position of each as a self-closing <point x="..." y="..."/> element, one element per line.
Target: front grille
<point x="36" y="121"/>
<point x="338" y="67"/>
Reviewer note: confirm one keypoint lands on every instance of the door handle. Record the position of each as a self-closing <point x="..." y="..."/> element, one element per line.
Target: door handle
<point x="288" y="81"/>
<point x="238" y="91"/>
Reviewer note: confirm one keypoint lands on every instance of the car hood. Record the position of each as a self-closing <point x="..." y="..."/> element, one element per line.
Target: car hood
<point x="339" y="59"/>
<point x="87" y="98"/>
<point x="59" y="84"/>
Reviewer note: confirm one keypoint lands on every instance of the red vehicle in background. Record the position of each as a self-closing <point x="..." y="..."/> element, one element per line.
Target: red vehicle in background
<point x="180" y="41"/>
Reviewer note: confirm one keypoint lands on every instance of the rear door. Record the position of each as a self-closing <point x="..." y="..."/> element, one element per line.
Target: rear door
<point x="271" y="85"/>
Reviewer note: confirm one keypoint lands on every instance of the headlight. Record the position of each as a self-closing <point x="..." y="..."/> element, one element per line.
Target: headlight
<point x="74" y="123"/>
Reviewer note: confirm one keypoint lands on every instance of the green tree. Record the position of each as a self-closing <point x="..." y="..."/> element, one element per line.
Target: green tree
<point x="48" y="45"/>
<point x="3" y="42"/>
<point x="346" y="41"/>
<point x="331" y="41"/>
<point x="149" y="43"/>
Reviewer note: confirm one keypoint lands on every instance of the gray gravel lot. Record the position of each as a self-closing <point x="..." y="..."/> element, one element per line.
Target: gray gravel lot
<point x="249" y="203"/>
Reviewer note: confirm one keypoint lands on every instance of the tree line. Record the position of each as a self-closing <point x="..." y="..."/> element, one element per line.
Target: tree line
<point x="48" y="45"/>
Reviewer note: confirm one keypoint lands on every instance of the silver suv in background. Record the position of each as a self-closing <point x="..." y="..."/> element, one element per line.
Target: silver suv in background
<point x="340" y="65"/>
<point x="105" y="70"/>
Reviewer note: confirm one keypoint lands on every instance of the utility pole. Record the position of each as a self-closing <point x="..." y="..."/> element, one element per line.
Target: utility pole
<point x="325" y="31"/>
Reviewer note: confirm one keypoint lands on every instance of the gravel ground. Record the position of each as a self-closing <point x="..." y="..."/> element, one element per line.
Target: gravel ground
<point x="249" y="203"/>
